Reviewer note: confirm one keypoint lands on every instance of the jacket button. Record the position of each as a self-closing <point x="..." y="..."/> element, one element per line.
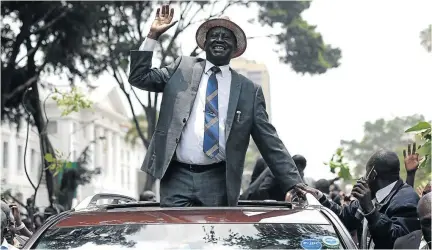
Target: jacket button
<point x="177" y="140"/>
<point x="184" y="120"/>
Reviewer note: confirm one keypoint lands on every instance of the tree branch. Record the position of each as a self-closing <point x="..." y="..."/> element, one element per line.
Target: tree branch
<point x="21" y="88"/>
<point x="51" y="23"/>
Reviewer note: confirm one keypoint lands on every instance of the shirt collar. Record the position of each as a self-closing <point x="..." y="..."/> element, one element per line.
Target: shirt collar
<point x="224" y="69"/>
<point x="384" y="192"/>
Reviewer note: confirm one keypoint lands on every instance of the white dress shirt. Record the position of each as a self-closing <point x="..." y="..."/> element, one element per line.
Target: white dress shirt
<point x="190" y="147"/>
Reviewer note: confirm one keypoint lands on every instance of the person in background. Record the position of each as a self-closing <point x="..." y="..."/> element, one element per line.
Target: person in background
<point x="147" y="196"/>
<point x="260" y="166"/>
<point x="385" y="207"/>
<point x="5" y="231"/>
<point x="266" y="187"/>
<point x="419" y="239"/>
<point x="411" y="162"/>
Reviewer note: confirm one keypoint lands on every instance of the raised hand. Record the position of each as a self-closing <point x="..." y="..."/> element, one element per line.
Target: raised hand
<point x="411" y="159"/>
<point x="162" y="22"/>
<point x="362" y="193"/>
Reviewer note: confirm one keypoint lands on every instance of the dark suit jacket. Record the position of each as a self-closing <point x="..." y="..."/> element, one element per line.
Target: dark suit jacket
<point x="265" y="187"/>
<point x="179" y="83"/>
<point x="409" y="241"/>
<point x="396" y="218"/>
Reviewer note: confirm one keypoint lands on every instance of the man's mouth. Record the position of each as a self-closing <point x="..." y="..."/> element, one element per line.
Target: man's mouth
<point x="218" y="48"/>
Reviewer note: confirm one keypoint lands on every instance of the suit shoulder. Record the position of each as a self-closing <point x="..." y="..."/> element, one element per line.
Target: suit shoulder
<point x="246" y="82"/>
<point x="190" y="59"/>
<point x="411" y="240"/>
<point x="408" y="194"/>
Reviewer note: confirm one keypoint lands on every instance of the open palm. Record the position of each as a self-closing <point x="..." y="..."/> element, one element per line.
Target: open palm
<point x="412" y="159"/>
<point x="163" y="20"/>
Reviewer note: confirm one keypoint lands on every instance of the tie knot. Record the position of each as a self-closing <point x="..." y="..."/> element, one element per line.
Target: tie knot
<point x="215" y="69"/>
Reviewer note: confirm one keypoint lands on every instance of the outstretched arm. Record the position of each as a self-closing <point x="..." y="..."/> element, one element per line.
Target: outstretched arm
<point x="141" y="74"/>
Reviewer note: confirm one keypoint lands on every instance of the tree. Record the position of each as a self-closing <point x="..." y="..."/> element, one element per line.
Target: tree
<point x="426" y="38"/>
<point x="41" y="38"/>
<point x="302" y="46"/>
<point x="338" y="166"/>
<point x="423" y="130"/>
<point x="381" y="134"/>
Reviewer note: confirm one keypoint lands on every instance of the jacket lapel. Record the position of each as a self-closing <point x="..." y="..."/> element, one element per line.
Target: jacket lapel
<point x="197" y="72"/>
<point x="233" y="100"/>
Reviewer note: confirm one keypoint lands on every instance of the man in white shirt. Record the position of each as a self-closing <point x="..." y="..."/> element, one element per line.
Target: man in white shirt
<point x="385" y="207"/>
<point x="208" y="113"/>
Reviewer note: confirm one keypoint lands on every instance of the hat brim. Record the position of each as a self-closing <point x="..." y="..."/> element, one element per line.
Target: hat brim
<point x="201" y="34"/>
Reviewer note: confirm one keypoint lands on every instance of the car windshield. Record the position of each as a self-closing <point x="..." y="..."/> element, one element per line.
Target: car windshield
<point x="191" y="236"/>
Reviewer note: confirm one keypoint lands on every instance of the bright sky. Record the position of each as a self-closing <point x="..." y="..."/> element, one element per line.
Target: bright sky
<point x="384" y="72"/>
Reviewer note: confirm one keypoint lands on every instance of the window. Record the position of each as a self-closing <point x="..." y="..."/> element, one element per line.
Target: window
<point x="190" y="236"/>
<point x="33" y="160"/>
<point x="74" y="156"/>
<point x="52" y="127"/>
<point x="19" y="159"/>
<point x="5" y="154"/>
<point x="122" y="176"/>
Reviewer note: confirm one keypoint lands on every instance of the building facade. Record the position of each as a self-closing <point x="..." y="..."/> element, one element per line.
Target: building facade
<point x="102" y="128"/>
<point x="257" y="73"/>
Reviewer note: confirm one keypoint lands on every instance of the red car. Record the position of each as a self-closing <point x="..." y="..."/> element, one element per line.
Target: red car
<point x="128" y="224"/>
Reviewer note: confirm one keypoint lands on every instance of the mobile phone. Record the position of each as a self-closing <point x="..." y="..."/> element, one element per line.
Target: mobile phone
<point x="372" y="174"/>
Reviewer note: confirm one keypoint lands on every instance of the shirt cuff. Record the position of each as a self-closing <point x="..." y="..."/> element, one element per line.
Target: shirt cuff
<point x="148" y="45"/>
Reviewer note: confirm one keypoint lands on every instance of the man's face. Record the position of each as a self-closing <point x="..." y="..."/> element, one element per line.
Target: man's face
<point x="220" y="45"/>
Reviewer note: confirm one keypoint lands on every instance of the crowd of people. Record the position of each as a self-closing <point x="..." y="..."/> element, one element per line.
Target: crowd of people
<point x="382" y="211"/>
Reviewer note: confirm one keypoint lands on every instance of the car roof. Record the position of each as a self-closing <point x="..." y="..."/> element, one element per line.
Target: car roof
<point x="192" y="215"/>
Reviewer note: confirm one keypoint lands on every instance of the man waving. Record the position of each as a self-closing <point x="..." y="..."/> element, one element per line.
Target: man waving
<point x="207" y="115"/>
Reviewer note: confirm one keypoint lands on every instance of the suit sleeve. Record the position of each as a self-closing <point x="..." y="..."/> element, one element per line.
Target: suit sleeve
<point x="271" y="147"/>
<point x="143" y="76"/>
<point x="399" y="220"/>
<point x="345" y="213"/>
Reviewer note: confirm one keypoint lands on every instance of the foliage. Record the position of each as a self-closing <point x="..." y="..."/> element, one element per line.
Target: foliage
<point x="423" y="130"/>
<point x="379" y="134"/>
<point x="57" y="161"/>
<point x="301" y="45"/>
<point x="72" y="101"/>
<point x="426" y="38"/>
<point x="339" y="166"/>
<point x="58" y="33"/>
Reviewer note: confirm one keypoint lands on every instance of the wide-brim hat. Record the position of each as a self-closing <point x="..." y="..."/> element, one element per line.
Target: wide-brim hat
<point x="225" y="22"/>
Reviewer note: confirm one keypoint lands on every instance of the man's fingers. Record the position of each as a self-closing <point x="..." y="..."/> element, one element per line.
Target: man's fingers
<point x="404" y="153"/>
<point x="172" y="13"/>
<point x="158" y="12"/>
<point x="357" y="190"/>
<point x="409" y="149"/>
<point x="356" y="195"/>
<point x="414" y="148"/>
<point x="166" y="10"/>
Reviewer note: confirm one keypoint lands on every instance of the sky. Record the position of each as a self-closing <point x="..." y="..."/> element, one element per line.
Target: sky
<point x="384" y="73"/>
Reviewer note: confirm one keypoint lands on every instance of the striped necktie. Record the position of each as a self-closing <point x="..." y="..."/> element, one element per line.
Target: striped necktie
<point x="211" y="123"/>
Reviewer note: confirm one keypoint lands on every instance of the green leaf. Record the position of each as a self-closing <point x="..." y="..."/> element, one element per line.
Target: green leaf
<point x="69" y="164"/>
<point x="425" y="149"/>
<point x="49" y="157"/>
<point x="52" y="166"/>
<point x="419" y="126"/>
<point x="426" y="163"/>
